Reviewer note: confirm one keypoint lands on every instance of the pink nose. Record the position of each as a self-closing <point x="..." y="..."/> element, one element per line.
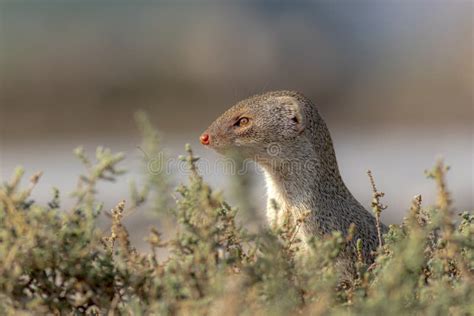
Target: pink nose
<point x="205" y="139"/>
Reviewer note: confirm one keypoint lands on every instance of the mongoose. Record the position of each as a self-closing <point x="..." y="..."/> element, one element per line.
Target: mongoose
<point x="285" y="134"/>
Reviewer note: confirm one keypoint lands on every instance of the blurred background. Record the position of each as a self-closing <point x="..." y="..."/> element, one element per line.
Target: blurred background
<point x="393" y="79"/>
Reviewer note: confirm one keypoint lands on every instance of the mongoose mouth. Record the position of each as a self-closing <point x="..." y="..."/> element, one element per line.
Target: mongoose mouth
<point x="212" y="142"/>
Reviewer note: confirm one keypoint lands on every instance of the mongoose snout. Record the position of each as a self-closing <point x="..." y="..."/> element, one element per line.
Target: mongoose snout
<point x="205" y="139"/>
<point x="285" y="134"/>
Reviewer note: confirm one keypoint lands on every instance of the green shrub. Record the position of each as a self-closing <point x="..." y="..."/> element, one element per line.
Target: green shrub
<point x="56" y="261"/>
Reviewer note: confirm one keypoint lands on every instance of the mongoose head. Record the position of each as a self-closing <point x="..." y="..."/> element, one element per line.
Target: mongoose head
<point x="261" y="127"/>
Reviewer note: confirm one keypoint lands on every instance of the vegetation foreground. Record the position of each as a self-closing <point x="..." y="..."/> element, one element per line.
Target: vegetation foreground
<point x="56" y="261"/>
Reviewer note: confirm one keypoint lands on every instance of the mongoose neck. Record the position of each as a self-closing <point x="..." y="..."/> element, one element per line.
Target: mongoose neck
<point x="305" y="177"/>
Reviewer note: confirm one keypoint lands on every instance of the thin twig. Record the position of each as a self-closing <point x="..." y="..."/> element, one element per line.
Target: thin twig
<point x="377" y="206"/>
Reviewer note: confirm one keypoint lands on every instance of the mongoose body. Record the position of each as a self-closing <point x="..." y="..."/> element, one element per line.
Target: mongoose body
<point x="285" y="134"/>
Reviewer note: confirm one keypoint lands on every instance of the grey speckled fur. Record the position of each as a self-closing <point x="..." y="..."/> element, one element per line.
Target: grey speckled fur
<point x="287" y="136"/>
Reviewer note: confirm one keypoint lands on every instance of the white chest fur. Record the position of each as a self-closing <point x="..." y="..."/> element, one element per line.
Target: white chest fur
<point x="280" y="208"/>
<point x="277" y="207"/>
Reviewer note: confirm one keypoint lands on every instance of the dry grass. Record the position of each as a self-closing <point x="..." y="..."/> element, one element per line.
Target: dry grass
<point x="55" y="261"/>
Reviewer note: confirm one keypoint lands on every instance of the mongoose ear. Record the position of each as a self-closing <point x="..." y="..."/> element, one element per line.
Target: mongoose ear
<point x="295" y="111"/>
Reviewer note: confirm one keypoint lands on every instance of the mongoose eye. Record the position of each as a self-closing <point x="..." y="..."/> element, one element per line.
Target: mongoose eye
<point x="243" y="121"/>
